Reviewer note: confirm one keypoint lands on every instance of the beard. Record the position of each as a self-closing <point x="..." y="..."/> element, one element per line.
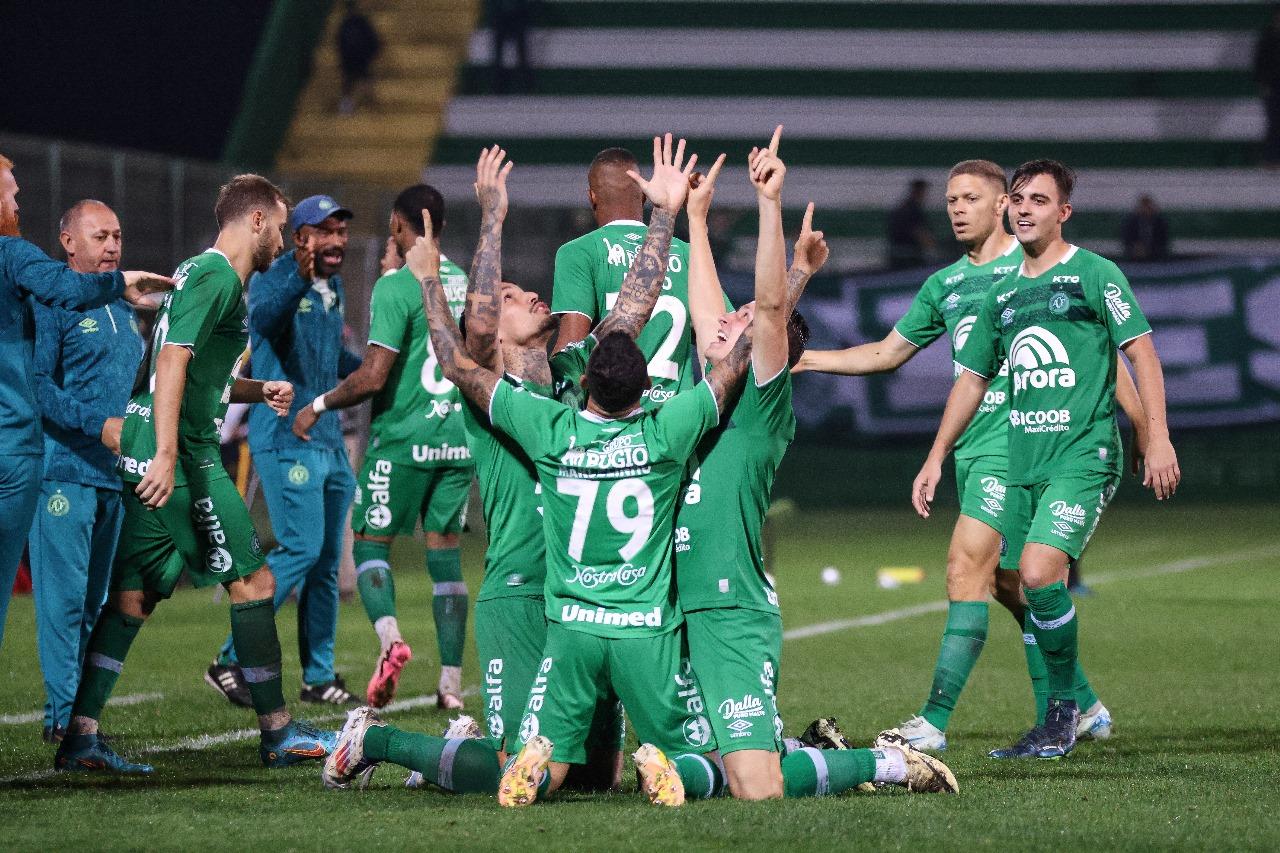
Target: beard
<point x="9" y="222"/>
<point x="264" y="253"/>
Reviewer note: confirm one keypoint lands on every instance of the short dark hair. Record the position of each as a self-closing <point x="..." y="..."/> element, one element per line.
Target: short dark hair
<point x="417" y="198"/>
<point x="1063" y="175"/>
<point x="615" y="157"/>
<point x="981" y="169"/>
<point x="244" y="194"/>
<point x="797" y="337"/>
<point x="617" y="373"/>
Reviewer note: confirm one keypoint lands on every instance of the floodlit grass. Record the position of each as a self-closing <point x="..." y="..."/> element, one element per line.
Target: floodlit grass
<point x="1181" y="641"/>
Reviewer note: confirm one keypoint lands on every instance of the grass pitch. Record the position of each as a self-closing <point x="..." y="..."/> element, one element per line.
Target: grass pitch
<point x="1180" y="641"/>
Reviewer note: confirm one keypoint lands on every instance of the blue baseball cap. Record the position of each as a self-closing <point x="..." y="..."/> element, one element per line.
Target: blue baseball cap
<point x="315" y="209"/>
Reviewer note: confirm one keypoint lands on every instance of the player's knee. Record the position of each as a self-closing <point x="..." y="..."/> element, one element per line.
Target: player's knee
<point x="136" y="604"/>
<point x="255" y="587"/>
<point x="755" y="786"/>
<point x="967" y="578"/>
<point x="440" y="541"/>
<point x="1006" y="588"/>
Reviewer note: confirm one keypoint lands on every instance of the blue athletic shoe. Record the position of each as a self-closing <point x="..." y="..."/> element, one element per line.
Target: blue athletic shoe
<point x="295" y="743"/>
<point x="88" y="754"/>
<point x="1054" y="739"/>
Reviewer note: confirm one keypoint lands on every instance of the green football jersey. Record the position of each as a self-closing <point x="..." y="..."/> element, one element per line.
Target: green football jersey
<point x="515" y="561"/>
<point x="205" y="312"/>
<point x="588" y="277"/>
<point x="609" y="489"/>
<point x="949" y="302"/>
<point x="719" y="554"/>
<point x="417" y="416"/>
<point x="1059" y="332"/>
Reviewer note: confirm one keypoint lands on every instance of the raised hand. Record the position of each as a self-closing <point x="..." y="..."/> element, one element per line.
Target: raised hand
<point x="306" y="256"/>
<point x="702" y="188"/>
<point x="812" y="250"/>
<point x="670" y="182"/>
<point x="424" y="258"/>
<point x="491" y="182"/>
<point x="766" y="169"/>
<point x="139" y="285"/>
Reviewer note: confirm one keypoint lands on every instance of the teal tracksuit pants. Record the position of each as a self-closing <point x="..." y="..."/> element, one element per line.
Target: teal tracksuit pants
<point x="73" y="541"/>
<point x="308" y="494"/>
<point x="19" y="492"/>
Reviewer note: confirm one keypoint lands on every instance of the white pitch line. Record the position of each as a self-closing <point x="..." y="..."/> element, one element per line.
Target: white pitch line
<point x="116" y="701"/>
<point x="1176" y="567"/>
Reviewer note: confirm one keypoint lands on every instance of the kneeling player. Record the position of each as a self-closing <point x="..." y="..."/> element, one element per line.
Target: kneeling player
<point x="184" y="513"/>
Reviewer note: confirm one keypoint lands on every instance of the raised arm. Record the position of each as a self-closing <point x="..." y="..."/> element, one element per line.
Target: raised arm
<point x="473" y="380"/>
<point x="273" y="299"/>
<point x="483" y="306"/>
<point x="769" y="339"/>
<point x="811" y="253"/>
<point x="1161" y="463"/>
<point x="966" y="395"/>
<point x="706" y="296"/>
<point x="643" y="283"/>
<point x="54" y="283"/>
<point x="879" y="357"/>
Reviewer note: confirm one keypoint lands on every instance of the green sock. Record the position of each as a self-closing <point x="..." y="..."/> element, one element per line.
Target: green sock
<point x="448" y="603"/>
<point x="459" y="765"/>
<point x="253" y="630"/>
<point x="373" y="578"/>
<point x="962" y="642"/>
<point x="1085" y="697"/>
<point x="1035" y="668"/>
<point x="702" y="777"/>
<point x="104" y="660"/>
<point x="813" y="772"/>
<point x="1054" y="623"/>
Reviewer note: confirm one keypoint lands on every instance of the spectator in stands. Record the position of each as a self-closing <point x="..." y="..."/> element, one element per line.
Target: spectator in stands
<point x="85" y="363"/>
<point x="509" y="22"/>
<point x="1145" y="232"/>
<point x="358" y="46"/>
<point x="910" y="241"/>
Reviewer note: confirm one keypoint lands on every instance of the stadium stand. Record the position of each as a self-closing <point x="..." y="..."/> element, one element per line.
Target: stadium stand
<point x="1142" y="98"/>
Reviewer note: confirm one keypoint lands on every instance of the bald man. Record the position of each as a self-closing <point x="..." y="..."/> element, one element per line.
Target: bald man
<point x="85" y="366"/>
<point x="590" y="269"/>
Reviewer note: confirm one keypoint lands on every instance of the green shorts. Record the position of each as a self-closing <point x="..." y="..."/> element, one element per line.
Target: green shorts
<point x="651" y="675"/>
<point x="735" y="653"/>
<point x="511" y="633"/>
<point x="391" y="497"/>
<point x="983" y="486"/>
<point x="204" y="530"/>
<point x="1062" y="513"/>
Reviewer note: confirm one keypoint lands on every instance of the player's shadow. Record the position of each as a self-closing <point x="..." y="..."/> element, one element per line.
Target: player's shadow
<point x="57" y="787"/>
<point x="1128" y="743"/>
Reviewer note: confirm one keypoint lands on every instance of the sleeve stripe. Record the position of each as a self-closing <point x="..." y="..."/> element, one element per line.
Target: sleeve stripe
<point x="714" y="401"/>
<point x="574" y="311"/>
<point x="1134" y="338"/>
<point x="785" y="368"/>
<point x="493" y="398"/>
<point x="395" y="350"/>
<point x="974" y="372"/>
<point x="905" y="338"/>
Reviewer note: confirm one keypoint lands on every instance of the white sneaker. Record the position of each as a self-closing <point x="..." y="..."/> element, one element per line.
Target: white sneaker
<point x="347" y="761"/>
<point x="1094" y="724"/>
<point x="923" y="734"/>
<point x="449" y="691"/>
<point x="463" y="727"/>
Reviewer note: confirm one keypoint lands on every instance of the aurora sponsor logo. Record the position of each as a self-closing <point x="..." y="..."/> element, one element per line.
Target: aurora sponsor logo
<point x="612" y="618"/>
<point x="1038" y="359"/>
<point x="1114" y="298"/>
<point x="589" y="577"/>
<point x="961" y="335"/>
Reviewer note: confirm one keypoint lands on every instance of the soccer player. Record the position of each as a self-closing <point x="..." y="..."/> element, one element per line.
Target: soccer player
<point x="183" y="513"/>
<point x="1059" y="319"/>
<point x="417" y="465"/>
<point x="295" y="334"/>
<point x="27" y="271"/>
<point x="731" y="610"/>
<point x="590" y="269"/>
<point x="85" y="363"/>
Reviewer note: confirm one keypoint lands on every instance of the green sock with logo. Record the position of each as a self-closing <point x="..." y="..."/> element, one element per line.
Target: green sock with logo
<point x="1056" y="629"/>
<point x="702" y="777"/>
<point x="813" y="772"/>
<point x="1036" y="668"/>
<point x="373" y="578"/>
<point x="448" y="603"/>
<point x="253" y="630"/>
<point x="962" y="643"/>
<point x="459" y="765"/>
<point x="104" y="661"/>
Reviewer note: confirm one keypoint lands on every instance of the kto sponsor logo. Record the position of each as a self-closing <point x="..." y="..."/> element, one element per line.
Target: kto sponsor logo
<point x="589" y="577"/>
<point x="1066" y="279"/>
<point x="613" y="618"/>
<point x="953" y="279"/>
<point x="1038" y="359"/>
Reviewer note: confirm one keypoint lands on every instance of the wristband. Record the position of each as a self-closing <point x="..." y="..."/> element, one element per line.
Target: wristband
<point x="317" y="405"/>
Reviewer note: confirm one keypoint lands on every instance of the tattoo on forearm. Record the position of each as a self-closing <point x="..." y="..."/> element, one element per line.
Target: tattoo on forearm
<point x="643" y="282"/>
<point x="483" y="306"/>
<point x="726" y="378"/>
<point x="459" y="367"/>
<point x="797" y="280"/>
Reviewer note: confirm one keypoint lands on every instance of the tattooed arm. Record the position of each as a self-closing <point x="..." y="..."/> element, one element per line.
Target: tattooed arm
<point x="640" y="289"/>
<point x="811" y="253"/>
<point x="459" y="367"/>
<point x="483" y="306"/>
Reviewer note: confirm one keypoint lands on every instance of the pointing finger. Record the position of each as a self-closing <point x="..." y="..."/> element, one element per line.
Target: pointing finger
<point x="777" y="137"/>
<point x="806" y="224"/>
